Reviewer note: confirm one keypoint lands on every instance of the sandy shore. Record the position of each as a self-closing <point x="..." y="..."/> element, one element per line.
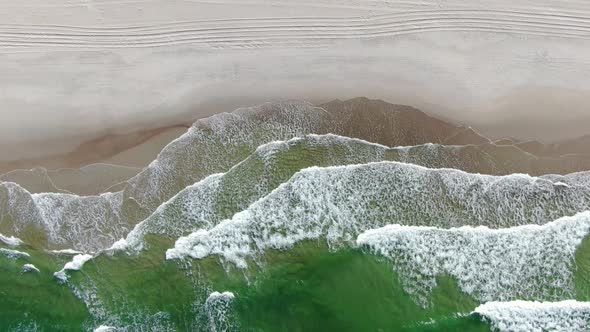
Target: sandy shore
<point x="134" y="150"/>
<point x="74" y="71"/>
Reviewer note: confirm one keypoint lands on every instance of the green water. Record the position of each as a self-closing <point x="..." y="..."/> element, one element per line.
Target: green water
<point x="308" y="288"/>
<point x="305" y="288"/>
<point x="582" y="272"/>
<point x="36" y="299"/>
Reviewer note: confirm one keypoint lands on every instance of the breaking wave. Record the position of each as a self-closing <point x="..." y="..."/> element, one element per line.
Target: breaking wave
<point x="531" y="262"/>
<point x="338" y="203"/>
<point x="526" y="316"/>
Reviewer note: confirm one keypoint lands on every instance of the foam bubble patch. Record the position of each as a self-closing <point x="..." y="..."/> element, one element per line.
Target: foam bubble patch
<point x="525" y="262"/>
<point x="338" y="203"/>
<point x="523" y="316"/>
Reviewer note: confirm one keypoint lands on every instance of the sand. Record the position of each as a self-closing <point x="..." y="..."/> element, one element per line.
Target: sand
<point x="74" y="71"/>
<point x="89" y="180"/>
<point x="135" y="149"/>
<point x="145" y="152"/>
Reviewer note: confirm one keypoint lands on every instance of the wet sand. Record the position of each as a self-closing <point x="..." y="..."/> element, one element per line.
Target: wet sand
<point x="135" y="150"/>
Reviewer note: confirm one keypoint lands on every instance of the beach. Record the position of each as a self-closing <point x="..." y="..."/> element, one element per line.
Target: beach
<point x="72" y="72"/>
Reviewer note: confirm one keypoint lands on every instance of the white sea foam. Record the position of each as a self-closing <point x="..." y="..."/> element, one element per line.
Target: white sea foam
<point x="217" y="308"/>
<point x="75" y="265"/>
<point x="71" y="252"/>
<point x="83" y="222"/>
<point x="10" y="240"/>
<point x="338" y="203"/>
<point x="105" y="328"/>
<point x="30" y="268"/>
<point x="523" y="316"/>
<point x="192" y="207"/>
<point x="122" y="244"/>
<point x="14" y="254"/>
<point x="525" y="262"/>
<point x="215" y="296"/>
<point x="62" y="219"/>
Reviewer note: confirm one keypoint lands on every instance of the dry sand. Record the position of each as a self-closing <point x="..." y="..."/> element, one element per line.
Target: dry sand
<point x="71" y="71"/>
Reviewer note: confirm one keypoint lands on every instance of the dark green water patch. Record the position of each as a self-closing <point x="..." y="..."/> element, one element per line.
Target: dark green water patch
<point x="582" y="270"/>
<point x="309" y="288"/>
<point x="138" y="288"/>
<point x="34" y="300"/>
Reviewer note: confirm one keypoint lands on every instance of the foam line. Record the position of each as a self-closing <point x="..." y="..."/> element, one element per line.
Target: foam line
<point x="523" y="316"/>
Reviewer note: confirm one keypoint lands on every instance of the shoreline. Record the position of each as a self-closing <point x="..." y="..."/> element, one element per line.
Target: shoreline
<point x="104" y="149"/>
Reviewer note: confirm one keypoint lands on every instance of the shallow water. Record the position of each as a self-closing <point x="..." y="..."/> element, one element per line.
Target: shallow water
<point x="277" y="243"/>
